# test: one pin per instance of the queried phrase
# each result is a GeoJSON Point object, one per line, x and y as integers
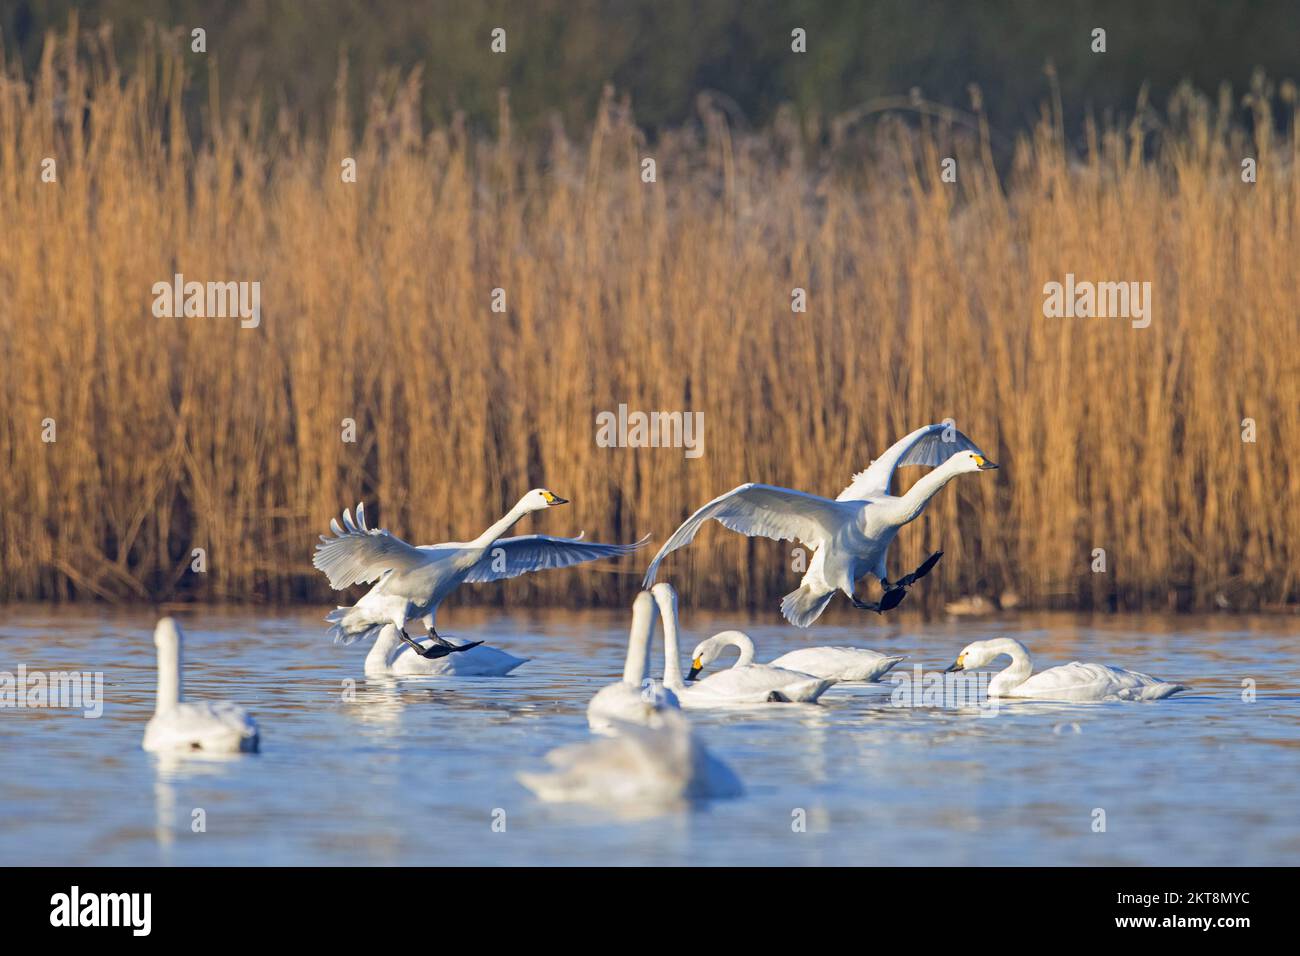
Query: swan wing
{"type": "Point", "coordinates": [1080, 681]}
{"type": "Point", "coordinates": [763, 510]}
{"type": "Point", "coordinates": [838, 663]}
{"type": "Point", "coordinates": [511, 557]}
{"type": "Point", "coordinates": [359, 555]}
{"type": "Point", "coordinates": [925, 446]}
{"type": "Point", "coordinates": [753, 684]}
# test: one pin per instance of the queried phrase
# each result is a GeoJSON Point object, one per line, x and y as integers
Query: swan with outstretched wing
{"type": "Point", "coordinates": [410, 581]}
{"type": "Point", "coordinates": [850, 535]}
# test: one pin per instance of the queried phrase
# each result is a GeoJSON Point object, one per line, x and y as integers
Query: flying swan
{"type": "Point", "coordinates": [210, 726]}
{"type": "Point", "coordinates": [390, 656]}
{"type": "Point", "coordinates": [1069, 682]}
{"type": "Point", "coordinates": [849, 536]}
{"type": "Point", "coordinates": [745, 683]}
{"type": "Point", "coordinates": [413, 581]}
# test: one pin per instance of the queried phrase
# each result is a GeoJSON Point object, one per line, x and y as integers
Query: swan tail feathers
{"type": "Point", "coordinates": [804, 606]}
{"type": "Point", "coordinates": [345, 633]}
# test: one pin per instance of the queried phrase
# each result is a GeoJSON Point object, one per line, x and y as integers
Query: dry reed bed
{"type": "Point", "coordinates": [925, 301]}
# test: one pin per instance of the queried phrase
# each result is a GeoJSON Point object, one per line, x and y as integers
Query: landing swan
{"type": "Point", "coordinates": [1069, 682]}
{"type": "Point", "coordinates": [745, 683]}
{"type": "Point", "coordinates": [634, 699]}
{"type": "Point", "coordinates": [849, 536]}
{"type": "Point", "coordinates": [391, 656]}
{"type": "Point", "coordinates": [210, 726]}
{"type": "Point", "coordinates": [653, 767]}
{"type": "Point", "coordinates": [413, 581]}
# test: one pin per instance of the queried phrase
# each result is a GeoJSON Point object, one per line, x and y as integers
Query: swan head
{"type": "Point", "coordinates": [975, 655]}
{"type": "Point", "coordinates": [710, 649]}
{"type": "Point", "coordinates": [167, 634]}
{"type": "Point", "coordinates": [965, 461]}
{"type": "Point", "coordinates": [539, 499]}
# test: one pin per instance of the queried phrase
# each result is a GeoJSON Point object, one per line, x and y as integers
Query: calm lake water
{"type": "Point", "coordinates": [412, 772]}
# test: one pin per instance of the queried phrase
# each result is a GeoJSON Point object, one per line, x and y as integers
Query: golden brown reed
{"type": "Point", "coordinates": [925, 302]}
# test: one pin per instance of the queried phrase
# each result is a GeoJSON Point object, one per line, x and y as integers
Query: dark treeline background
{"type": "Point", "coordinates": [664, 53]}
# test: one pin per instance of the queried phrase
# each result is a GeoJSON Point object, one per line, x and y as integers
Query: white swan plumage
{"type": "Point", "coordinates": [839, 664]}
{"type": "Point", "coordinates": [1069, 682]}
{"type": "Point", "coordinates": [181, 726]}
{"type": "Point", "coordinates": [849, 536]}
{"type": "Point", "coordinates": [635, 699]}
{"type": "Point", "coordinates": [744, 683]}
{"type": "Point", "coordinates": [413, 581]}
{"type": "Point", "coordinates": [651, 757]}
{"type": "Point", "coordinates": [391, 656]}
{"type": "Point", "coordinates": [656, 766]}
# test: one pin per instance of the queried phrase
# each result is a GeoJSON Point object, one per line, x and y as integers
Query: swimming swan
{"type": "Point", "coordinates": [849, 536]}
{"type": "Point", "coordinates": [413, 581]}
{"type": "Point", "coordinates": [392, 657]}
{"type": "Point", "coordinates": [210, 726]}
{"type": "Point", "coordinates": [635, 699]}
{"type": "Point", "coordinates": [658, 766]}
{"type": "Point", "coordinates": [1070, 682]}
{"type": "Point", "coordinates": [839, 663]}
{"type": "Point", "coordinates": [744, 683]}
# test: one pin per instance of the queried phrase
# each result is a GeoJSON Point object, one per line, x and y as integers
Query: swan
{"type": "Point", "coordinates": [839, 663]}
{"type": "Point", "coordinates": [413, 581]}
{"type": "Point", "coordinates": [849, 536]}
{"type": "Point", "coordinates": [392, 657]}
{"type": "Point", "coordinates": [1069, 682]}
{"type": "Point", "coordinates": [744, 683]}
{"type": "Point", "coordinates": [661, 765]}
{"type": "Point", "coordinates": [634, 699]}
{"type": "Point", "coordinates": [651, 757]}
{"type": "Point", "coordinates": [210, 726]}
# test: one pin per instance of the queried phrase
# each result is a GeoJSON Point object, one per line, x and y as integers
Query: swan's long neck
{"type": "Point", "coordinates": [1019, 670]}
{"type": "Point", "coordinates": [506, 522]}
{"type": "Point", "coordinates": [918, 496]}
{"type": "Point", "coordinates": [386, 647]}
{"type": "Point", "coordinates": [741, 642]}
{"type": "Point", "coordinates": [673, 679]}
{"type": "Point", "coordinates": [169, 672]}
{"type": "Point", "coordinates": [636, 668]}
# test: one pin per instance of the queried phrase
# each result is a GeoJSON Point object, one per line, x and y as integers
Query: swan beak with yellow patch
{"type": "Point", "coordinates": [554, 499]}
{"type": "Point", "coordinates": [984, 463]}
{"type": "Point", "coordinates": [697, 665]}
{"type": "Point", "coordinates": [959, 664]}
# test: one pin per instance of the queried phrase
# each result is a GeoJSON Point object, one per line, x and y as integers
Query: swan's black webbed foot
{"type": "Point", "coordinates": [891, 599]}
{"type": "Point", "coordinates": [926, 566]}
{"type": "Point", "coordinates": [453, 648]}
{"type": "Point", "coordinates": [406, 638]}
